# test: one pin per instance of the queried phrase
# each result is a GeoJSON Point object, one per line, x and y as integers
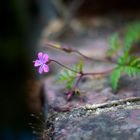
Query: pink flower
{"type": "Point", "coordinates": [42, 59]}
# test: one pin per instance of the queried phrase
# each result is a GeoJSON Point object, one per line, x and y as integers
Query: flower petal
{"type": "Point", "coordinates": [45, 58]}
{"type": "Point", "coordinates": [40, 69]}
{"type": "Point", "coordinates": [37, 63]}
{"type": "Point", "coordinates": [40, 56]}
{"type": "Point", "coordinates": [45, 68]}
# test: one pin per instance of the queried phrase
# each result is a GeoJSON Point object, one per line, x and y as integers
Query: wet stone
{"type": "Point", "coordinates": [116, 122]}
{"type": "Point", "coordinates": [117, 125]}
{"type": "Point", "coordinates": [93, 91]}
{"type": "Point", "coordinates": [73, 122]}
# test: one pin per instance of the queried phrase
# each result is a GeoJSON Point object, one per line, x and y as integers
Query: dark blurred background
{"type": "Point", "coordinates": [21, 24]}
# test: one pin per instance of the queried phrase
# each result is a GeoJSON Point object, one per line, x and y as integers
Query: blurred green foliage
{"type": "Point", "coordinates": [126, 62]}
{"type": "Point", "coordinates": [70, 76]}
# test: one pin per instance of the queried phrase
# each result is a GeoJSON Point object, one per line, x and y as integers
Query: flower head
{"type": "Point", "coordinates": [42, 59]}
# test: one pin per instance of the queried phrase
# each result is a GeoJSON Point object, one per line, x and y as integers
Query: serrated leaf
{"type": "Point", "coordinates": [122, 60]}
{"type": "Point", "coordinates": [132, 35]}
{"type": "Point", "coordinates": [131, 71]}
{"type": "Point", "coordinates": [70, 83]}
{"type": "Point", "coordinates": [134, 61]}
{"type": "Point", "coordinates": [80, 66]}
{"type": "Point", "coordinates": [65, 75]}
{"type": "Point", "coordinates": [114, 41]}
{"type": "Point", "coordinates": [133, 66]}
{"type": "Point", "coordinates": [74, 67]}
{"type": "Point", "coordinates": [62, 77]}
{"type": "Point", "coordinates": [115, 76]}
{"type": "Point", "coordinates": [114, 45]}
{"type": "Point", "coordinates": [70, 76]}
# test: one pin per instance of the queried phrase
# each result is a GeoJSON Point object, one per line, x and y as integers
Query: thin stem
{"type": "Point", "coordinates": [50, 44]}
{"type": "Point", "coordinates": [82, 73]}
{"type": "Point", "coordinates": [95, 73]}
{"type": "Point", "coordinates": [78, 80]}
{"type": "Point", "coordinates": [63, 66]}
{"type": "Point", "coordinates": [84, 56]}
{"type": "Point", "coordinates": [99, 73]}
{"type": "Point", "coordinates": [68, 50]}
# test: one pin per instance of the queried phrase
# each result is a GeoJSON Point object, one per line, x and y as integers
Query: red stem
{"type": "Point", "coordinates": [51, 60]}
{"type": "Point", "coordinates": [68, 50]}
{"type": "Point", "coordinates": [82, 73]}
{"type": "Point", "coordinates": [99, 73]}
{"type": "Point", "coordinates": [78, 80]}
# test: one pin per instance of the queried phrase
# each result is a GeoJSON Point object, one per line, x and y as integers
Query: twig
{"type": "Point", "coordinates": [99, 73]}
{"type": "Point", "coordinates": [51, 60]}
{"type": "Point", "coordinates": [78, 80]}
{"type": "Point", "coordinates": [98, 106]}
{"type": "Point", "coordinates": [111, 103]}
{"type": "Point", "coordinates": [68, 49]}
{"type": "Point", "coordinates": [82, 73]}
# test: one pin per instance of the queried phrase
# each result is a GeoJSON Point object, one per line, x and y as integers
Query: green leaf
{"type": "Point", "coordinates": [134, 61]}
{"type": "Point", "coordinates": [80, 65]}
{"type": "Point", "coordinates": [114, 77]}
{"type": "Point", "coordinates": [114, 41]}
{"type": "Point", "coordinates": [131, 71]}
{"type": "Point", "coordinates": [70, 83]}
{"type": "Point", "coordinates": [126, 64]}
{"type": "Point", "coordinates": [122, 60]}
{"type": "Point", "coordinates": [65, 75]}
{"type": "Point", "coordinates": [68, 76]}
{"type": "Point", "coordinates": [114, 45]}
{"type": "Point", "coordinates": [132, 33]}
{"type": "Point", "coordinates": [133, 66]}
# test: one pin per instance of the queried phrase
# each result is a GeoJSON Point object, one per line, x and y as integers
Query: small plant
{"type": "Point", "coordinates": [120, 49]}
{"type": "Point", "coordinates": [126, 63]}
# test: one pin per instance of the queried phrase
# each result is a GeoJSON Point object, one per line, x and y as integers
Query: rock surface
{"type": "Point", "coordinates": [81, 118]}
{"type": "Point", "coordinates": [75, 120]}
{"type": "Point", "coordinates": [121, 124]}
